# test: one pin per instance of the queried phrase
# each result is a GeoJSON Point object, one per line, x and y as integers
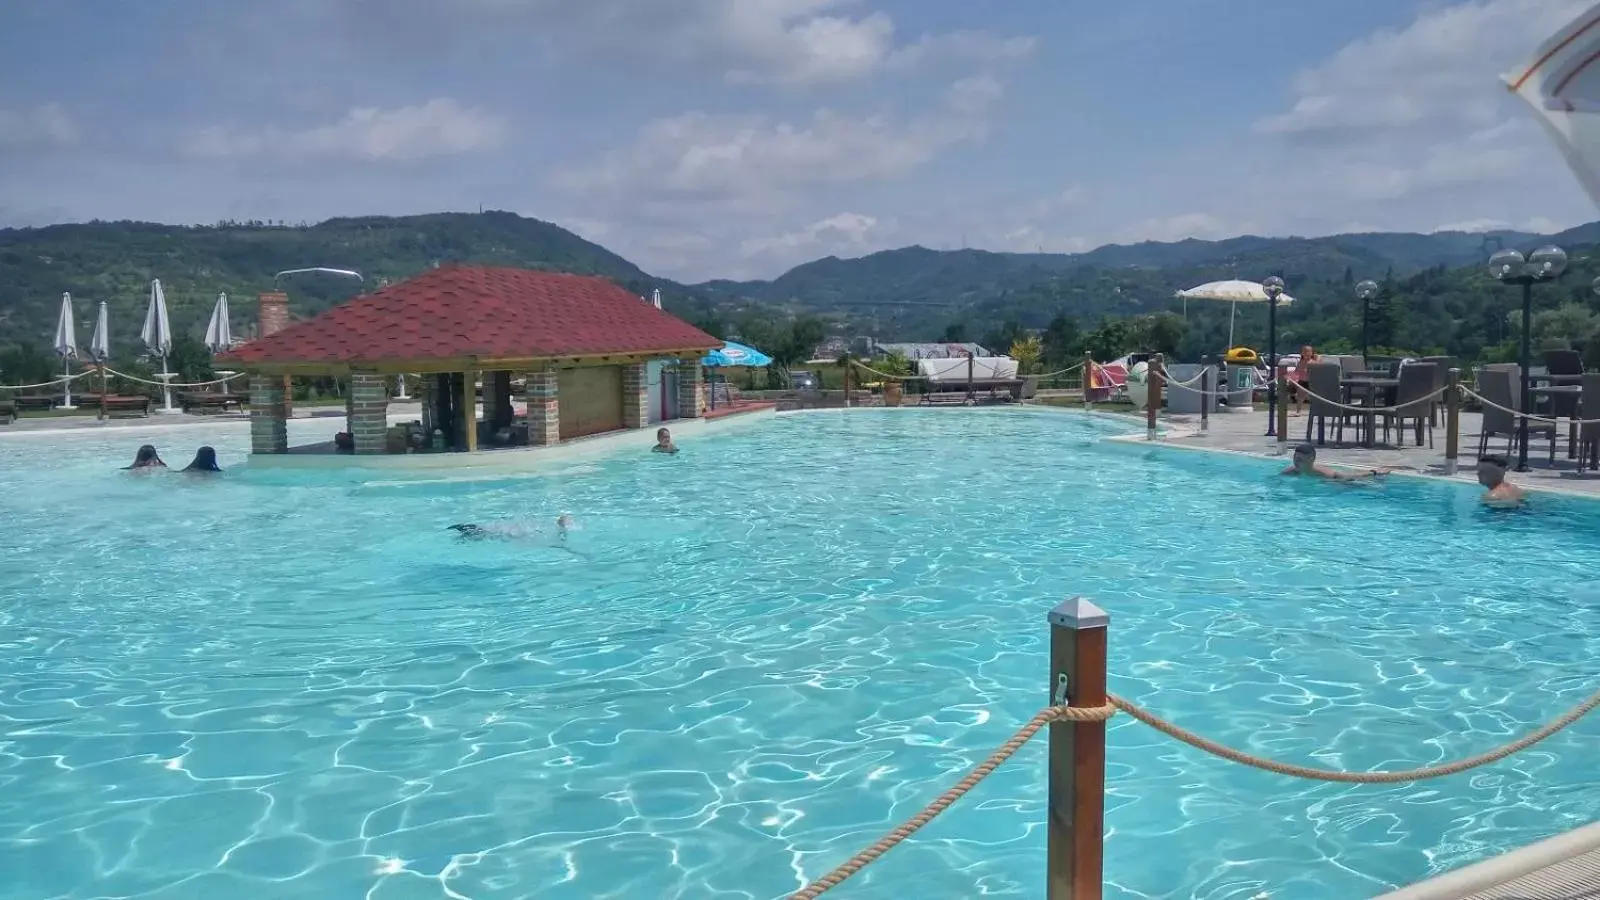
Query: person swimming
{"type": "Point", "coordinates": [511, 531]}
{"type": "Point", "coordinates": [1305, 465]}
{"type": "Point", "coordinates": [664, 442]}
{"type": "Point", "coordinates": [1492, 475]}
{"type": "Point", "coordinates": [205, 461]}
{"type": "Point", "coordinates": [146, 458]}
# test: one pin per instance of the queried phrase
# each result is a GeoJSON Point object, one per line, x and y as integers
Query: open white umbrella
{"type": "Point", "coordinates": [66, 347]}
{"type": "Point", "coordinates": [157, 335]}
{"type": "Point", "coordinates": [1233, 292]}
{"type": "Point", "coordinates": [1563, 88]}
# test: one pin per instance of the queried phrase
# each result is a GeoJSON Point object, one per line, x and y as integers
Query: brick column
{"type": "Point", "coordinates": [636, 395]}
{"type": "Point", "coordinates": [369, 413]}
{"type": "Point", "coordinates": [269, 416]}
{"type": "Point", "coordinates": [544, 409]}
{"type": "Point", "coordinates": [273, 317]}
{"type": "Point", "coordinates": [691, 390]}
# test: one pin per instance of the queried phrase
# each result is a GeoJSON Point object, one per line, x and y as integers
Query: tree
{"type": "Point", "coordinates": [954, 333]}
{"type": "Point", "coordinates": [1063, 342]}
{"type": "Point", "coordinates": [1109, 340]}
{"type": "Point", "coordinates": [1027, 351]}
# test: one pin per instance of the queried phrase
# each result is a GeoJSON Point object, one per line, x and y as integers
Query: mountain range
{"type": "Point", "coordinates": [908, 293]}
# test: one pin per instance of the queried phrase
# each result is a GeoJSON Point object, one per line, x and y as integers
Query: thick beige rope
{"type": "Point", "coordinates": [979, 772]}
{"type": "Point", "coordinates": [1101, 713]}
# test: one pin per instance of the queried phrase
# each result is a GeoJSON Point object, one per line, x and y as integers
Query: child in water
{"type": "Point", "coordinates": [664, 442]}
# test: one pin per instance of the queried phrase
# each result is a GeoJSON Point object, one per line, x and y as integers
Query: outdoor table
{"type": "Point", "coordinates": [1563, 390]}
{"type": "Point", "coordinates": [1371, 383]}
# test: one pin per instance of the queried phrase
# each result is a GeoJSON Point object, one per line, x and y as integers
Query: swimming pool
{"type": "Point", "coordinates": [756, 657]}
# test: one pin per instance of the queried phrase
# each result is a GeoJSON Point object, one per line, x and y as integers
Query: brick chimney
{"type": "Point", "coordinates": [274, 313]}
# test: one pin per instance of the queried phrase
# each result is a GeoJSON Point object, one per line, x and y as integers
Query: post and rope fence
{"type": "Point", "coordinates": [1205, 394]}
{"type": "Point", "coordinates": [1280, 375]}
{"type": "Point", "coordinates": [1452, 420]}
{"type": "Point", "coordinates": [1080, 705]}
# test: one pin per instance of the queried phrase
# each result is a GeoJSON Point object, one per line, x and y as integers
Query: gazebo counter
{"type": "Point", "coordinates": [567, 397]}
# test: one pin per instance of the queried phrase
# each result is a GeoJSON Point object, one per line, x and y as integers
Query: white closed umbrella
{"type": "Point", "coordinates": [66, 347]}
{"type": "Point", "coordinates": [157, 335]}
{"type": "Point", "coordinates": [1233, 292]}
{"type": "Point", "coordinates": [100, 350]}
{"type": "Point", "coordinates": [100, 341]}
{"type": "Point", "coordinates": [219, 334]}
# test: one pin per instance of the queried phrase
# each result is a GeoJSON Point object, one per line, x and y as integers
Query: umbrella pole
{"type": "Point", "coordinates": [166, 386]}
{"type": "Point", "coordinates": [66, 384]}
{"type": "Point", "coordinates": [1233, 311]}
{"type": "Point", "coordinates": [102, 391]}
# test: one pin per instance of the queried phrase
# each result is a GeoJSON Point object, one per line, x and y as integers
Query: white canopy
{"type": "Point", "coordinates": [1232, 292]}
{"type": "Point", "coordinates": [1562, 84]}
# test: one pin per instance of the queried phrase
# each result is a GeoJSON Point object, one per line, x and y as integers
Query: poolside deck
{"type": "Point", "coordinates": [1565, 867]}
{"type": "Point", "coordinates": [1246, 433]}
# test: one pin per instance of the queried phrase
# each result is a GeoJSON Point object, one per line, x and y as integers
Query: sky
{"type": "Point", "coordinates": [737, 138]}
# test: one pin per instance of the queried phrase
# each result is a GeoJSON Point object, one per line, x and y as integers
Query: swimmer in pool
{"type": "Point", "coordinates": [564, 524]}
{"type": "Point", "coordinates": [1492, 475]}
{"type": "Point", "coordinates": [664, 442]}
{"type": "Point", "coordinates": [1305, 465]}
{"type": "Point", "coordinates": [510, 531]}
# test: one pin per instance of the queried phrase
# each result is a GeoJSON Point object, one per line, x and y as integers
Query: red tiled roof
{"type": "Point", "coordinates": [482, 312]}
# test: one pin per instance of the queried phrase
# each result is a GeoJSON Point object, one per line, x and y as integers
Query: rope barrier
{"type": "Point", "coordinates": [1050, 714]}
{"type": "Point", "coordinates": [1531, 417]}
{"type": "Point", "coordinates": [928, 813]}
{"type": "Point", "coordinates": [136, 378]}
{"type": "Point", "coordinates": [43, 384]}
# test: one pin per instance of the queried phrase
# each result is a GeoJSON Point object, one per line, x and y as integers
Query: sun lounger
{"type": "Point", "coordinates": [36, 403]}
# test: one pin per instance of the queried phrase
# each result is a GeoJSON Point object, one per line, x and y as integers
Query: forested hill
{"type": "Point", "coordinates": [115, 261]}
{"type": "Point", "coordinates": [1435, 292]}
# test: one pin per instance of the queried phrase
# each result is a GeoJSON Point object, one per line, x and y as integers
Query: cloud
{"type": "Point", "coordinates": [1536, 225]}
{"type": "Point", "coordinates": [847, 229]}
{"type": "Point", "coordinates": [1411, 126]}
{"type": "Point", "coordinates": [699, 164]}
{"type": "Point", "coordinates": [440, 127]}
{"type": "Point", "coordinates": [1437, 71]}
{"type": "Point", "coordinates": [788, 42]}
{"type": "Point", "coordinates": [43, 126]}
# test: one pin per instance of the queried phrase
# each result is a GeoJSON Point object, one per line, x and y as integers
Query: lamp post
{"type": "Point", "coordinates": [1366, 290]}
{"type": "Point", "coordinates": [1511, 267]}
{"type": "Point", "coordinates": [1273, 286]}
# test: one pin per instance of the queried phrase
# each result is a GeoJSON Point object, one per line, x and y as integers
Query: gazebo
{"type": "Point", "coordinates": [583, 346]}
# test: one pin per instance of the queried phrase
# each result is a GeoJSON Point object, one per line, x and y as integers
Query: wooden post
{"type": "Point", "coordinates": [847, 368]}
{"type": "Point", "coordinates": [969, 377]}
{"type": "Point", "coordinates": [469, 409]}
{"type": "Point", "coordinates": [1088, 380]}
{"type": "Point", "coordinates": [1077, 754]}
{"type": "Point", "coordinates": [1205, 394]}
{"type": "Point", "coordinates": [1282, 381]}
{"type": "Point", "coordinates": [1152, 402]}
{"type": "Point", "coordinates": [1452, 421]}
{"type": "Point", "coordinates": [102, 390]}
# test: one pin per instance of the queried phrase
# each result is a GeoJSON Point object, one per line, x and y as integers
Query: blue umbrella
{"type": "Point", "coordinates": [733, 354]}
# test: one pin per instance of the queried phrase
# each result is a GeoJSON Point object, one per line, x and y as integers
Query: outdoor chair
{"type": "Point", "coordinates": [1589, 434]}
{"type": "Point", "coordinates": [1499, 385]}
{"type": "Point", "coordinates": [1414, 401]}
{"type": "Point", "coordinates": [1564, 365]}
{"type": "Point", "coordinates": [1323, 382]}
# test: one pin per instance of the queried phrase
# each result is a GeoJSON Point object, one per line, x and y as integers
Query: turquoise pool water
{"type": "Point", "coordinates": [756, 657]}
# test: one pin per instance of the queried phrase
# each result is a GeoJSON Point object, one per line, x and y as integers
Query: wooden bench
{"type": "Point", "coordinates": [204, 402]}
{"type": "Point", "coordinates": [35, 403]}
{"type": "Point", "coordinates": [944, 398]}
{"type": "Point", "coordinates": [132, 405]}
{"type": "Point", "coordinates": [8, 412]}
